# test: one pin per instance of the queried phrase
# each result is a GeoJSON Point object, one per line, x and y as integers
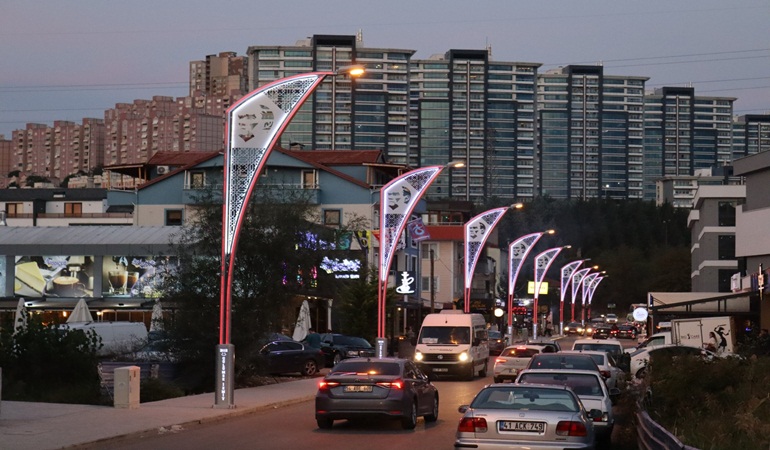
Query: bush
{"type": "Point", "coordinates": [712, 404]}
{"type": "Point", "coordinates": [154, 389]}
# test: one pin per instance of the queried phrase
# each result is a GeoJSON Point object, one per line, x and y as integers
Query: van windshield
{"type": "Point", "coordinates": [445, 335]}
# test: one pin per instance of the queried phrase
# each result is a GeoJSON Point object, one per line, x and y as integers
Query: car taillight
{"type": "Point", "coordinates": [605, 373]}
{"type": "Point", "coordinates": [324, 385]}
{"type": "Point", "coordinates": [501, 360]}
{"type": "Point", "coordinates": [472, 425]}
{"type": "Point", "coordinates": [568, 428]}
{"type": "Point", "coordinates": [395, 384]}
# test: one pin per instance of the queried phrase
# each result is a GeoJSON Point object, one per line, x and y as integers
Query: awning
{"type": "Point", "coordinates": [701, 303]}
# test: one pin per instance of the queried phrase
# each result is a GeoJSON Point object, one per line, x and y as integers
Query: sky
{"type": "Point", "coordinates": [66, 60]}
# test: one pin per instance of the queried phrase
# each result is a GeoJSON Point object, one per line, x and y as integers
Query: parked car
{"type": "Point", "coordinates": [512, 360]}
{"type": "Point", "coordinates": [289, 356]}
{"type": "Point", "coordinates": [574, 328]}
{"type": "Point", "coordinates": [526, 416]}
{"type": "Point", "coordinates": [393, 388]}
{"type": "Point", "coordinates": [640, 359]}
{"type": "Point", "coordinates": [589, 387]}
{"type": "Point", "coordinates": [612, 374]}
{"type": "Point", "coordinates": [627, 331]}
{"type": "Point", "coordinates": [495, 341]}
{"type": "Point", "coordinates": [337, 347]}
{"type": "Point", "coordinates": [562, 360]}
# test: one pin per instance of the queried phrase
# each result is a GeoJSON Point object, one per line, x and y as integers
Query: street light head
{"type": "Point", "coordinates": [517, 206]}
{"type": "Point", "coordinates": [566, 246]}
{"type": "Point", "coordinates": [549, 232]}
{"type": "Point", "coordinates": [596, 267]}
{"type": "Point", "coordinates": [455, 164]}
{"type": "Point", "coordinates": [353, 71]}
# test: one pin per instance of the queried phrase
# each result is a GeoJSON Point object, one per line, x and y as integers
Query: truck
{"type": "Point", "coordinates": [712, 333]}
{"type": "Point", "coordinates": [453, 343]}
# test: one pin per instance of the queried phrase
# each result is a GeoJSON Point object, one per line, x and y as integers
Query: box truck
{"type": "Point", "coordinates": [713, 333]}
{"type": "Point", "coordinates": [453, 343]}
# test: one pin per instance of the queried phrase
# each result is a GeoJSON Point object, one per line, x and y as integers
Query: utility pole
{"type": "Point", "coordinates": [432, 283]}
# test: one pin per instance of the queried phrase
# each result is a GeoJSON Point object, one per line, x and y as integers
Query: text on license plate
{"type": "Point", "coordinates": [441, 369]}
{"type": "Point", "coordinates": [531, 427]}
{"type": "Point", "coordinates": [358, 388]}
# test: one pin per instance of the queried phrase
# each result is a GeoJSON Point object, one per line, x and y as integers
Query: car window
{"type": "Point", "coordinates": [582, 384]}
{"type": "Point", "coordinates": [445, 335]}
{"type": "Point", "coordinates": [609, 348]}
{"type": "Point", "coordinates": [368, 367]}
{"type": "Point", "coordinates": [495, 335]}
{"type": "Point", "coordinates": [520, 352]}
{"type": "Point", "coordinates": [525, 398]}
{"type": "Point", "coordinates": [562, 361]}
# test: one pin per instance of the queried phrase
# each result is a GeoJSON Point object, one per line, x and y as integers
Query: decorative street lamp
{"type": "Point", "coordinates": [398, 199]}
{"type": "Point", "coordinates": [577, 280]}
{"type": "Point", "coordinates": [542, 262]}
{"type": "Point", "coordinates": [587, 280]}
{"type": "Point", "coordinates": [591, 290]}
{"type": "Point", "coordinates": [477, 230]}
{"type": "Point", "coordinates": [518, 251]}
{"type": "Point", "coordinates": [253, 127]}
{"type": "Point", "coordinates": [566, 276]}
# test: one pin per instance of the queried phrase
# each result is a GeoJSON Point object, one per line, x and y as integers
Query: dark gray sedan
{"type": "Point", "coordinates": [391, 388]}
{"type": "Point", "coordinates": [285, 356]}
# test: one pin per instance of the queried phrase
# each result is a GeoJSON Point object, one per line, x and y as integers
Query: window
{"type": "Point", "coordinates": [426, 284]}
{"type": "Point", "coordinates": [427, 247]}
{"type": "Point", "coordinates": [308, 179]}
{"type": "Point", "coordinates": [332, 217]}
{"type": "Point", "coordinates": [14, 209]}
{"type": "Point", "coordinates": [73, 209]}
{"type": "Point", "coordinates": [726, 214]}
{"type": "Point", "coordinates": [174, 217]}
{"type": "Point", "coordinates": [197, 180]}
{"type": "Point", "coordinates": [727, 247]}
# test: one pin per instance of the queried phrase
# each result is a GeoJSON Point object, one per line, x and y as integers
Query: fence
{"type": "Point", "coordinates": [652, 436]}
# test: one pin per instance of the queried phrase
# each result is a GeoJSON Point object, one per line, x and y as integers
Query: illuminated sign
{"type": "Point", "coordinates": [543, 288]}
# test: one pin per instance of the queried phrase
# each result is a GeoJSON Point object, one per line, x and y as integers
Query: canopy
{"type": "Point", "coordinates": [303, 322]}
{"type": "Point", "coordinates": [81, 313]}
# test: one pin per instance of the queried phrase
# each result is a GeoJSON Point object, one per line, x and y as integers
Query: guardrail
{"type": "Point", "coordinates": [652, 436]}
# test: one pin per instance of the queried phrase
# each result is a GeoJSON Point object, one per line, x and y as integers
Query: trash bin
{"type": "Point", "coordinates": [127, 387]}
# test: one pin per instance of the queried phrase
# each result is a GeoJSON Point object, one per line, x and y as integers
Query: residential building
{"type": "Point", "coordinates": [6, 148]}
{"type": "Point", "coordinates": [680, 191]}
{"type": "Point", "coordinates": [219, 75]}
{"type": "Point", "coordinates": [591, 134]}
{"type": "Point", "coordinates": [751, 135]}
{"type": "Point", "coordinates": [712, 223]}
{"type": "Point", "coordinates": [684, 132]}
{"type": "Point", "coordinates": [56, 207]}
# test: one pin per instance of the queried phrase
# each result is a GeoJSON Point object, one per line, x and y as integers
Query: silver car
{"type": "Point", "coordinates": [608, 367]}
{"type": "Point", "coordinates": [589, 387]}
{"type": "Point", "coordinates": [526, 416]}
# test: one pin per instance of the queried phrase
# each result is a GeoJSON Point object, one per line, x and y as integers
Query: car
{"type": "Point", "coordinates": [608, 367]}
{"type": "Point", "coordinates": [574, 328]}
{"type": "Point", "coordinates": [526, 416]}
{"type": "Point", "coordinates": [602, 332]}
{"type": "Point", "coordinates": [337, 347]}
{"type": "Point", "coordinates": [549, 345]}
{"type": "Point", "coordinates": [513, 359]}
{"type": "Point", "coordinates": [495, 341]}
{"type": "Point", "coordinates": [611, 346]}
{"type": "Point", "coordinates": [289, 356]}
{"type": "Point", "coordinates": [561, 360]}
{"type": "Point", "coordinates": [589, 387]}
{"type": "Point", "coordinates": [641, 358]}
{"type": "Point", "coordinates": [627, 331]}
{"type": "Point", "coordinates": [610, 318]}
{"type": "Point", "coordinates": [392, 388]}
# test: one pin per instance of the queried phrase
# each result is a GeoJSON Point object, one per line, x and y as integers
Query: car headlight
{"type": "Point", "coordinates": [566, 328]}
{"type": "Point", "coordinates": [417, 356]}
{"type": "Point", "coordinates": [352, 353]}
{"type": "Point", "coordinates": [463, 356]}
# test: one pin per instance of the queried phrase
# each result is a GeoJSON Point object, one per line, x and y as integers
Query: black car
{"type": "Point", "coordinates": [393, 388]}
{"type": "Point", "coordinates": [289, 356]}
{"type": "Point", "coordinates": [496, 342]}
{"type": "Point", "coordinates": [574, 328]}
{"type": "Point", "coordinates": [337, 347]}
{"type": "Point", "coordinates": [602, 332]}
{"type": "Point", "coordinates": [627, 331]}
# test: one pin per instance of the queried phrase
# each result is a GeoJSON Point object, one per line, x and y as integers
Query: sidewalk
{"type": "Point", "coordinates": [43, 426]}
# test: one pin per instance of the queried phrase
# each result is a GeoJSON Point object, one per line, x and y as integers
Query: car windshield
{"type": "Point", "coordinates": [562, 361]}
{"type": "Point", "coordinates": [609, 348]}
{"type": "Point", "coordinates": [581, 383]}
{"type": "Point", "coordinates": [367, 367]}
{"type": "Point", "coordinates": [525, 398]}
{"type": "Point", "coordinates": [519, 352]}
{"type": "Point", "coordinates": [495, 335]}
{"type": "Point", "coordinates": [445, 335]}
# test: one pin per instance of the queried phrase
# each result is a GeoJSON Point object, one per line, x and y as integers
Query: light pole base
{"type": "Point", "coordinates": [225, 376]}
{"type": "Point", "coordinates": [382, 347]}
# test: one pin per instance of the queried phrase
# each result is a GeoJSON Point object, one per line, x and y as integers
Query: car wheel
{"type": "Point", "coordinates": [409, 421]}
{"type": "Point", "coordinates": [324, 423]}
{"type": "Point", "coordinates": [337, 358]}
{"type": "Point", "coordinates": [483, 372]}
{"type": "Point", "coordinates": [310, 368]}
{"type": "Point", "coordinates": [433, 416]}
{"type": "Point", "coordinates": [641, 373]}
{"type": "Point", "coordinates": [471, 372]}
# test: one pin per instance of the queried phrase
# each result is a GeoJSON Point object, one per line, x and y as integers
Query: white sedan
{"type": "Point", "coordinates": [641, 358]}
{"type": "Point", "coordinates": [512, 360]}
{"type": "Point", "coordinates": [608, 367]}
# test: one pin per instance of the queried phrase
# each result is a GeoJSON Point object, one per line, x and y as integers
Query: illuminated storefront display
{"type": "Point", "coordinates": [136, 276]}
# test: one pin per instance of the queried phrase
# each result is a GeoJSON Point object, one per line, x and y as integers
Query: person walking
{"type": "Point", "coordinates": [313, 339]}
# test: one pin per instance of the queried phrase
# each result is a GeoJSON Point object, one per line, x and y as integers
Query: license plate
{"type": "Point", "coordinates": [358, 388]}
{"type": "Point", "coordinates": [529, 427]}
{"type": "Point", "coordinates": [441, 369]}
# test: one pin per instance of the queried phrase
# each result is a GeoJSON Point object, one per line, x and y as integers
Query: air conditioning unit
{"type": "Point", "coordinates": [162, 170]}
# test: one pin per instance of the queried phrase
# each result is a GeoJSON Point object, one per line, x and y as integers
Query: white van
{"type": "Point", "coordinates": [453, 343]}
{"type": "Point", "coordinates": [117, 337]}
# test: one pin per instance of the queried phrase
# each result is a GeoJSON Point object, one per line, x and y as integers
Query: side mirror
{"type": "Point", "coordinates": [463, 408]}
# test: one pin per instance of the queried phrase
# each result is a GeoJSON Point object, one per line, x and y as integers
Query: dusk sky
{"type": "Point", "coordinates": [65, 60]}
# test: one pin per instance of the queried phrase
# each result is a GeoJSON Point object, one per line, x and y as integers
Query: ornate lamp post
{"type": "Point", "coordinates": [577, 280]}
{"type": "Point", "coordinates": [591, 290]}
{"type": "Point", "coordinates": [518, 251]}
{"type": "Point", "coordinates": [254, 126]}
{"type": "Point", "coordinates": [587, 280]}
{"type": "Point", "coordinates": [542, 262]}
{"type": "Point", "coordinates": [477, 230]}
{"type": "Point", "coordinates": [398, 199]}
{"type": "Point", "coordinates": [566, 276]}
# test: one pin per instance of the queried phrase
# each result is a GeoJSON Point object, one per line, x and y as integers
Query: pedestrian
{"type": "Point", "coordinates": [313, 339]}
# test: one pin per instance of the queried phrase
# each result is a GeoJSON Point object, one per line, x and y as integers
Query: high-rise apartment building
{"type": "Point", "coordinates": [466, 107]}
{"type": "Point", "coordinates": [683, 133]}
{"type": "Point", "coordinates": [751, 135]}
{"type": "Point", "coordinates": [370, 113]}
{"type": "Point", "coordinates": [591, 133]}
{"type": "Point", "coordinates": [6, 148]}
{"type": "Point", "coordinates": [219, 75]}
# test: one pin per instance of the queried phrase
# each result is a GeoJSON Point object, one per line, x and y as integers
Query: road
{"type": "Point", "coordinates": [292, 427]}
